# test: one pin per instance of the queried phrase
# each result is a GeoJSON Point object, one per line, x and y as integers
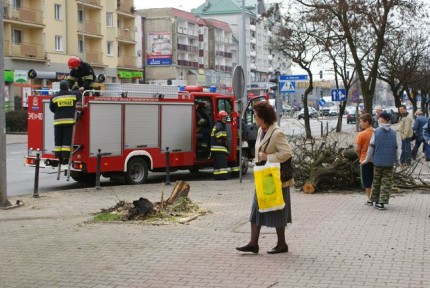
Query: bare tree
{"type": "Point", "coordinates": [294, 40]}
{"type": "Point", "coordinates": [364, 25]}
{"type": "Point", "coordinates": [403, 63]}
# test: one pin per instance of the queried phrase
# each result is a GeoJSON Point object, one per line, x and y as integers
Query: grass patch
{"type": "Point", "coordinates": [107, 216]}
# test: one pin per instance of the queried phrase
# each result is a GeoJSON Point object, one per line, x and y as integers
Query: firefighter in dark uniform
{"type": "Point", "coordinates": [219, 149]}
{"type": "Point", "coordinates": [63, 105]}
{"type": "Point", "coordinates": [82, 76]}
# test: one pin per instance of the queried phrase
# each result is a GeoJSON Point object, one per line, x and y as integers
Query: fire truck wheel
{"type": "Point", "coordinates": [137, 171]}
{"type": "Point", "coordinates": [87, 178]}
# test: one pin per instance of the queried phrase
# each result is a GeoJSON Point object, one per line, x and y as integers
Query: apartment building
{"type": "Point", "coordinates": [185, 49]}
{"type": "Point", "coordinates": [261, 61]}
{"type": "Point", "coordinates": [43, 34]}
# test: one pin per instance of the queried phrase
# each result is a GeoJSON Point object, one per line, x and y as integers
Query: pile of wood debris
{"type": "Point", "coordinates": [178, 208]}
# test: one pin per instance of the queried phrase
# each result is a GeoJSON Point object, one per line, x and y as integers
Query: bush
{"type": "Point", "coordinates": [16, 121]}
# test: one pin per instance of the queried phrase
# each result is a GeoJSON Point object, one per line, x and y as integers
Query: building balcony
{"type": "Point", "coordinates": [126, 35]}
{"type": "Point", "coordinates": [23, 16]}
{"type": "Point", "coordinates": [223, 68]}
{"type": "Point", "coordinates": [270, 57]}
{"type": "Point", "coordinates": [252, 27]}
{"type": "Point", "coordinates": [187, 48]}
{"type": "Point", "coordinates": [253, 40]}
{"type": "Point", "coordinates": [92, 29]}
{"type": "Point", "coordinates": [269, 33]}
{"type": "Point", "coordinates": [94, 58]}
{"type": "Point", "coordinates": [126, 8]}
{"type": "Point", "coordinates": [23, 50]}
{"type": "Point", "coordinates": [188, 32]}
{"type": "Point", "coordinates": [92, 4]}
{"type": "Point", "coordinates": [188, 63]}
{"type": "Point", "coordinates": [223, 54]}
{"type": "Point", "coordinates": [270, 69]}
{"type": "Point", "coordinates": [253, 66]}
{"type": "Point", "coordinates": [127, 62]}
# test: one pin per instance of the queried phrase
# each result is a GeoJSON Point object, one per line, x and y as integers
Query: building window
{"type": "Point", "coordinates": [81, 46]}
{"type": "Point", "coordinates": [57, 12]}
{"type": "Point", "coordinates": [109, 19]}
{"type": "Point", "coordinates": [16, 37]}
{"type": "Point", "coordinates": [16, 4]}
{"type": "Point", "coordinates": [109, 48]}
{"type": "Point", "coordinates": [58, 43]}
{"type": "Point", "coordinates": [80, 16]}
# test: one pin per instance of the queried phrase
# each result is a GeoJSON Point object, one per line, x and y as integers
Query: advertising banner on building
{"type": "Point", "coordinates": [159, 48]}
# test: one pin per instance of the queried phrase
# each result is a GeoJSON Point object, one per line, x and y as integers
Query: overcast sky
{"type": "Point", "coordinates": [185, 5]}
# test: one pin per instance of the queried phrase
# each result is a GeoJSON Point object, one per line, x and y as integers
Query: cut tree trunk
{"type": "Point", "coordinates": [181, 189]}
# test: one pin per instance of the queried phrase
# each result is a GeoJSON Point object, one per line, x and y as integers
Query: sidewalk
{"type": "Point", "coordinates": [16, 138]}
{"type": "Point", "coordinates": [335, 241]}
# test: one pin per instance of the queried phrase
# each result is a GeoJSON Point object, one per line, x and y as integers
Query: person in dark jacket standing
{"type": "Point", "coordinates": [63, 105]}
{"type": "Point", "coordinates": [383, 153]}
{"type": "Point", "coordinates": [82, 76]}
{"type": "Point", "coordinates": [219, 150]}
{"type": "Point", "coordinates": [419, 124]}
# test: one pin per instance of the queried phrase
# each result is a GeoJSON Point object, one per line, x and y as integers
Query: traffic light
{"type": "Point", "coordinates": [321, 94]}
{"type": "Point", "coordinates": [321, 74]}
{"type": "Point", "coordinates": [274, 79]}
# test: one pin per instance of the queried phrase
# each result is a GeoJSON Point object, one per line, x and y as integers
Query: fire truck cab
{"type": "Point", "coordinates": [136, 127]}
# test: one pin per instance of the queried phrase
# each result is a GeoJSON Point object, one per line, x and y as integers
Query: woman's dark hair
{"type": "Point", "coordinates": [265, 112]}
{"type": "Point", "coordinates": [366, 117]}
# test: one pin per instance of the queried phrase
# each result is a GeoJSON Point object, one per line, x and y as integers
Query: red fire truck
{"type": "Point", "coordinates": [133, 126]}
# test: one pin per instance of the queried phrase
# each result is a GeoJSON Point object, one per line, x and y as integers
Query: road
{"type": "Point", "coordinates": [20, 178]}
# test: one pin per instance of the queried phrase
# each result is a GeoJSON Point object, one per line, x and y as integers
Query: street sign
{"type": "Point", "coordinates": [321, 102]}
{"type": "Point", "coordinates": [238, 82]}
{"type": "Point", "coordinates": [338, 94]}
{"type": "Point", "coordinates": [293, 77]}
{"type": "Point", "coordinates": [287, 86]}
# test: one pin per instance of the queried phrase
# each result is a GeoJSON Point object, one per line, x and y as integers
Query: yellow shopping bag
{"type": "Point", "coordinates": [268, 187]}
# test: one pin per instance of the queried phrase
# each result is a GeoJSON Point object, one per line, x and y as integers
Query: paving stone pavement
{"type": "Point", "coordinates": [335, 241]}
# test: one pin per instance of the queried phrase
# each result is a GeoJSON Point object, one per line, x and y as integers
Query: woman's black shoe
{"type": "Point", "coordinates": [276, 250]}
{"type": "Point", "coordinates": [247, 248]}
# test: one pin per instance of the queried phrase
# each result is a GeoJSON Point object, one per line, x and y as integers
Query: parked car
{"type": "Point", "coordinates": [325, 111]}
{"type": "Point", "coordinates": [351, 117]}
{"type": "Point", "coordinates": [287, 109]}
{"type": "Point", "coordinates": [349, 109]}
{"type": "Point", "coordinates": [394, 115]}
{"type": "Point", "coordinates": [334, 110]}
{"type": "Point", "coordinates": [313, 113]}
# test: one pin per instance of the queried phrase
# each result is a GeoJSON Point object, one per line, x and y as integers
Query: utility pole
{"type": "Point", "coordinates": [244, 59]}
{"type": "Point", "coordinates": [83, 32]}
{"type": "Point", "coordinates": [3, 185]}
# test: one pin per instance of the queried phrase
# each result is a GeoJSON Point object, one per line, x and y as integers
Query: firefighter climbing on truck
{"type": "Point", "coordinates": [63, 105]}
{"type": "Point", "coordinates": [82, 76]}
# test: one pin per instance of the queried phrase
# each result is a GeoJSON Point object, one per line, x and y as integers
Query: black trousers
{"type": "Point", "coordinates": [63, 141]}
{"type": "Point", "coordinates": [220, 165]}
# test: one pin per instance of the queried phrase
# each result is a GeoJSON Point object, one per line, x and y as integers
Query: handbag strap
{"type": "Point", "coordinates": [268, 140]}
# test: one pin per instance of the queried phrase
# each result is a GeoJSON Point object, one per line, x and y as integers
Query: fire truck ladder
{"type": "Point", "coordinates": [72, 150]}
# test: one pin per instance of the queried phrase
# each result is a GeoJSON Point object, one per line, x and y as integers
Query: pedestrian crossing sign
{"type": "Point", "coordinates": [287, 86]}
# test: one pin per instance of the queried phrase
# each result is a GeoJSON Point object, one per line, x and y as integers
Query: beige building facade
{"type": "Point", "coordinates": [43, 34]}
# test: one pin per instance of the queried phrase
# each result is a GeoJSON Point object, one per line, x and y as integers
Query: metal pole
{"type": "Point", "coordinates": [3, 187]}
{"type": "Point", "coordinates": [83, 31]}
{"type": "Point", "coordinates": [167, 166]}
{"type": "Point", "coordinates": [99, 161]}
{"type": "Point", "coordinates": [244, 58]}
{"type": "Point", "coordinates": [36, 177]}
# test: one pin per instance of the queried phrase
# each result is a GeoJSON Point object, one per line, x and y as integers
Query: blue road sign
{"type": "Point", "coordinates": [287, 86]}
{"type": "Point", "coordinates": [321, 102]}
{"type": "Point", "coordinates": [293, 77]}
{"type": "Point", "coordinates": [338, 94]}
